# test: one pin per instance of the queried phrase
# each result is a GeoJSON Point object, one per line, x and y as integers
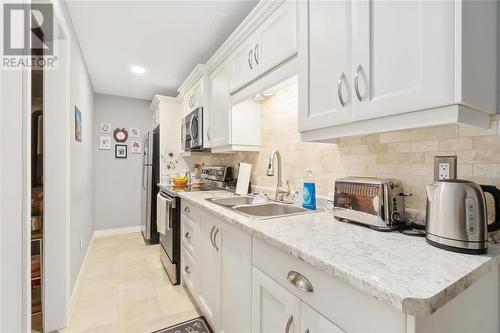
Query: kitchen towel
{"type": "Point", "coordinates": [245, 169]}
{"type": "Point", "coordinates": [161, 208]}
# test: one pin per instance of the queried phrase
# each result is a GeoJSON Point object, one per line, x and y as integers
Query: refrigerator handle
{"type": "Point", "coordinates": [143, 176]}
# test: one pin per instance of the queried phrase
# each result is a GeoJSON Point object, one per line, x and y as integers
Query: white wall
{"type": "Point", "coordinates": [118, 182]}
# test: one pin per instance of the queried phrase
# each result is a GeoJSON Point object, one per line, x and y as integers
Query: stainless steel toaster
{"type": "Point", "coordinates": [378, 203]}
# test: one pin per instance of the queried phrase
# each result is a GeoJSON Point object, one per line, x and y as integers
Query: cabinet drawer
{"type": "Point", "coordinates": [188, 235]}
{"type": "Point", "coordinates": [188, 272]}
{"type": "Point", "coordinates": [349, 308]}
{"type": "Point", "coordinates": [190, 211]}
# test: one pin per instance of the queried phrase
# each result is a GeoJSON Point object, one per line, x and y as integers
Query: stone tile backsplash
{"type": "Point", "coordinates": [406, 155]}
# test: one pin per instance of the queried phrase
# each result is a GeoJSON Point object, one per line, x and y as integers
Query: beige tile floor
{"type": "Point", "coordinates": [124, 288]}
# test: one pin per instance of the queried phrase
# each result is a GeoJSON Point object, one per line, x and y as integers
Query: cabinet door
{"type": "Point", "coordinates": [208, 263]}
{"type": "Point", "coordinates": [274, 309]}
{"type": "Point", "coordinates": [236, 279]}
{"type": "Point", "coordinates": [276, 39]}
{"type": "Point", "coordinates": [243, 65]}
{"type": "Point", "coordinates": [403, 56]}
{"type": "Point", "coordinates": [325, 63]}
{"type": "Point", "coordinates": [313, 322]}
{"type": "Point", "coordinates": [220, 105]}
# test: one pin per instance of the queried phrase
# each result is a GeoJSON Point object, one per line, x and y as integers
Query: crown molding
{"type": "Point", "coordinates": [254, 20]}
{"type": "Point", "coordinates": [163, 99]}
{"type": "Point", "coordinates": [193, 77]}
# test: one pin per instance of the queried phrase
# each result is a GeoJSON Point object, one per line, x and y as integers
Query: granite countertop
{"type": "Point", "coordinates": [400, 270]}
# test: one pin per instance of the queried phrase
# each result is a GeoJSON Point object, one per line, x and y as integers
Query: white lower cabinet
{"type": "Point", "coordinates": [209, 266]}
{"type": "Point", "coordinates": [312, 321]}
{"type": "Point", "coordinates": [274, 309]}
{"type": "Point", "coordinates": [223, 271]}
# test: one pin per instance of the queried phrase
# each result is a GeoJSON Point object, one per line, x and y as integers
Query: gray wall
{"type": "Point", "coordinates": [81, 162]}
{"type": "Point", "coordinates": [118, 182]}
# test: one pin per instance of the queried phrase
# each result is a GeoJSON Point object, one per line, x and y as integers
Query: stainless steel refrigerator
{"type": "Point", "coordinates": [150, 179]}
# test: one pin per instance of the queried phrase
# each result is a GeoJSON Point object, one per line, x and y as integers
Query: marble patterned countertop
{"type": "Point", "coordinates": [400, 270]}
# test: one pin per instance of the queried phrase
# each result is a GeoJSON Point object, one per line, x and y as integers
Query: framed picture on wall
{"type": "Point", "coordinates": [105, 128]}
{"type": "Point", "coordinates": [120, 151]}
{"type": "Point", "coordinates": [78, 124]}
{"type": "Point", "coordinates": [104, 142]}
{"type": "Point", "coordinates": [134, 132]}
{"type": "Point", "coordinates": [135, 146]}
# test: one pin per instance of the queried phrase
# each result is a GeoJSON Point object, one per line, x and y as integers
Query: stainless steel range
{"type": "Point", "coordinates": [169, 216]}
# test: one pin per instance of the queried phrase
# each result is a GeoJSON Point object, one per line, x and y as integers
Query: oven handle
{"type": "Point", "coordinates": [168, 210]}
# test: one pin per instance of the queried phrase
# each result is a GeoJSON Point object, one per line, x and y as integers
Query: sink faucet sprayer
{"type": "Point", "coordinates": [282, 191]}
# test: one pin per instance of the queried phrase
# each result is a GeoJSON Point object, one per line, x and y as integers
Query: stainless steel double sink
{"type": "Point", "coordinates": [260, 211]}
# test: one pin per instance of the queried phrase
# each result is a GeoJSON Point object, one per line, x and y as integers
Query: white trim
{"type": "Point", "coordinates": [193, 77]}
{"type": "Point", "coordinates": [164, 99]}
{"type": "Point", "coordinates": [116, 231]}
{"type": "Point", "coordinates": [76, 288]}
{"type": "Point", "coordinates": [450, 114]}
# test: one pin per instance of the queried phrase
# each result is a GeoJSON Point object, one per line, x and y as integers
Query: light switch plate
{"type": "Point", "coordinates": [445, 167]}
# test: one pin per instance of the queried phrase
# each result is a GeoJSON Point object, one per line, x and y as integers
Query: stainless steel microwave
{"type": "Point", "coordinates": [192, 130]}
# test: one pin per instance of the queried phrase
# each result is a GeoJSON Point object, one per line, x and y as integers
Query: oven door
{"type": "Point", "coordinates": [170, 238]}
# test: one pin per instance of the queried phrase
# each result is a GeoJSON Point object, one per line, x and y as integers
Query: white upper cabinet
{"type": "Point", "coordinates": [327, 70]}
{"type": "Point", "coordinates": [276, 39]}
{"type": "Point", "coordinates": [274, 42]}
{"type": "Point", "coordinates": [402, 58]}
{"type": "Point", "coordinates": [243, 64]}
{"type": "Point", "coordinates": [220, 106]}
{"type": "Point", "coordinates": [374, 66]}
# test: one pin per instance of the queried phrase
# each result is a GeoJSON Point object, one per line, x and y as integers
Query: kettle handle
{"type": "Point", "coordinates": [495, 192]}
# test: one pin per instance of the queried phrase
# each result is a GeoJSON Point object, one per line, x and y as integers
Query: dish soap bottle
{"type": "Point", "coordinates": [309, 191]}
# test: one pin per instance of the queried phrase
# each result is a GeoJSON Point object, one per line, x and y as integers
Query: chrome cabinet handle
{"type": "Point", "coordinates": [289, 324]}
{"type": "Point", "coordinates": [187, 235]}
{"type": "Point", "coordinates": [209, 136]}
{"type": "Point", "coordinates": [187, 210]}
{"type": "Point", "coordinates": [356, 82]}
{"type": "Point", "coordinates": [300, 281]}
{"type": "Point", "coordinates": [211, 236]}
{"type": "Point", "coordinates": [256, 53]}
{"type": "Point", "coordinates": [339, 89]}
{"type": "Point", "coordinates": [215, 239]}
{"type": "Point", "coordinates": [250, 60]}
{"type": "Point", "coordinates": [187, 270]}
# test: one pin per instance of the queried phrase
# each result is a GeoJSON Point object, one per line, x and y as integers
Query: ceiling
{"type": "Point", "coordinates": [167, 38]}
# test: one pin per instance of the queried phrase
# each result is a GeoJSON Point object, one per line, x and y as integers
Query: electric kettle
{"type": "Point", "coordinates": [456, 218]}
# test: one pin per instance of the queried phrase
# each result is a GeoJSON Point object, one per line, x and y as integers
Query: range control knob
{"type": "Point", "coordinates": [396, 217]}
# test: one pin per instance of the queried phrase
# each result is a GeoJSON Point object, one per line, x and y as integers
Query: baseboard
{"type": "Point", "coordinates": [76, 288]}
{"type": "Point", "coordinates": [116, 231]}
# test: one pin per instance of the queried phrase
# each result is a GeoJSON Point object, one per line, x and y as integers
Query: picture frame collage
{"type": "Point", "coordinates": [120, 136]}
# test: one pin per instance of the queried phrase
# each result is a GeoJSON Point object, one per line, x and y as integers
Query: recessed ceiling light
{"type": "Point", "coordinates": [137, 69]}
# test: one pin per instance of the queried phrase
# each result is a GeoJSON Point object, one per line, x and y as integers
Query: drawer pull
{"type": "Point", "coordinates": [289, 324]}
{"type": "Point", "coordinates": [187, 210]}
{"type": "Point", "coordinates": [187, 269]}
{"type": "Point", "coordinates": [300, 281]}
{"type": "Point", "coordinates": [187, 235]}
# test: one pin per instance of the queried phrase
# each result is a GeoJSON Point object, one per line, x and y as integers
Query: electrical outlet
{"type": "Point", "coordinates": [81, 244]}
{"type": "Point", "coordinates": [445, 167]}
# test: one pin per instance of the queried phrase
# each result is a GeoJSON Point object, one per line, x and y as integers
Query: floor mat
{"type": "Point", "coordinates": [196, 325]}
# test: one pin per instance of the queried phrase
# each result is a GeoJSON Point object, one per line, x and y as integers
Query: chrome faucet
{"type": "Point", "coordinates": [282, 191]}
